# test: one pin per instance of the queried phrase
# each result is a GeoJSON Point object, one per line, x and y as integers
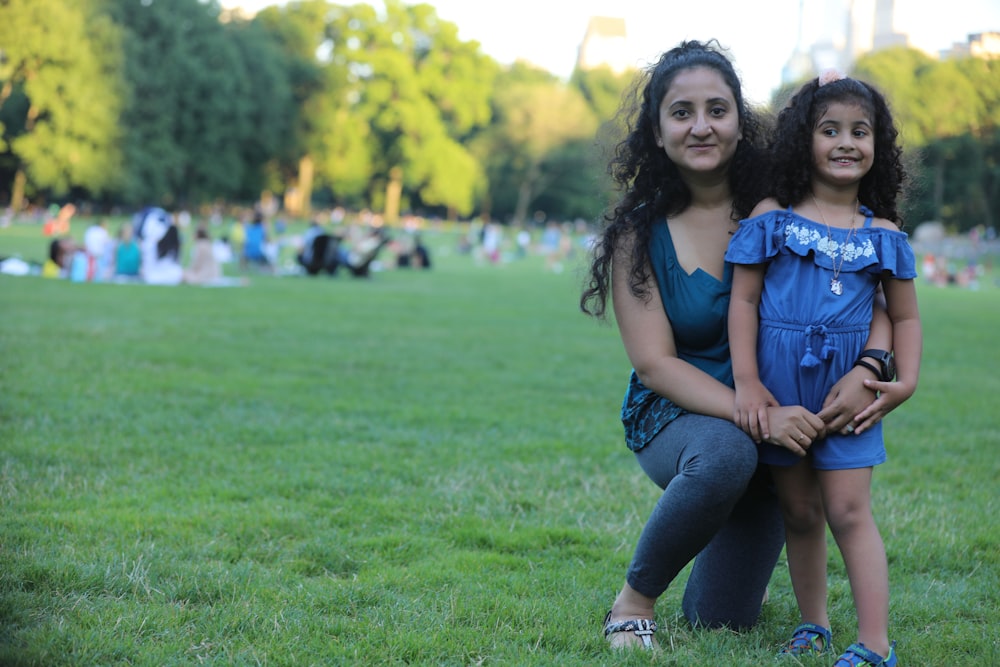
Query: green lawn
{"type": "Point", "coordinates": [421, 468]}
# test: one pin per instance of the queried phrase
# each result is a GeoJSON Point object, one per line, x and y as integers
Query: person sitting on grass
{"type": "Point", "coordinates": [61, 252]}
{"type": "Point", "coordinates": [128, 256]}
{"type": "Point", "coordinates": [255, 244]}
{"type": "Point", "coordinates": [328, 252]}
{"type": "Point", "coordinates": [203, 268]}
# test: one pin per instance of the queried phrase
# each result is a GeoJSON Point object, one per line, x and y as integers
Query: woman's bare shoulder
{"type": "Point", "coordinates": [765, 206]}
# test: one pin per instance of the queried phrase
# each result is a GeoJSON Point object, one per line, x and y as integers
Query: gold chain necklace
{"type": "Point", "coordinates": [836, 286]}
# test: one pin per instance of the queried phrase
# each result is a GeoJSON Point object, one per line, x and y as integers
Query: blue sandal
{"type": "Point", "coordinates": [808, 639]}
{"type": "Point", "coordinates": [643, 628]}
{"type": "Point", "coordinates": [857, 655]}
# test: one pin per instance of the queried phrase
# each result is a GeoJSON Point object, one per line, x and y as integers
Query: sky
{"type": "Point", "coordinates": [760, 36]}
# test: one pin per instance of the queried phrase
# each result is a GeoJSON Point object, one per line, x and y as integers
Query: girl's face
{"type": "Point", "coordinates": [843, 145]}
{"type": "Point", "coordinates": [699, 122]}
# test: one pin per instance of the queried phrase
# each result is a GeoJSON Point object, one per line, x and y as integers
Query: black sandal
{"type": "Point", "coordinates": [643, 628]}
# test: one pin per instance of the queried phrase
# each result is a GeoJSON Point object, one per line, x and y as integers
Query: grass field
{"type": "Point", "coordinates": [421, 468]}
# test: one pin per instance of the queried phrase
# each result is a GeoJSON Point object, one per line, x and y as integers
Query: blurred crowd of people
{"type": "Point", "coordinates": [150, 248]}
{"type": "Point", "coordinates": [146, 249]}
{"type": "Point", "coordinates": [356, 250]}
{"type": "Point", "coordinates": [964, 260]}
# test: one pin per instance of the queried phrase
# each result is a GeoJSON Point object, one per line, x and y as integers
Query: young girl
{"type": "Point", "coordinates": [808, 265]}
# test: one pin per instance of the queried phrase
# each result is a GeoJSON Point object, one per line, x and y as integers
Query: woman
{"type": "Point", "coordinates": [687, 172]}
{"type": "Point", "coordinates": [160, 243]}
{"type": "Point", "coordinates": [204, 268]}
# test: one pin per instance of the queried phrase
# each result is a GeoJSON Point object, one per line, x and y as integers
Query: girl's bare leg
{"type": "Point", "coordinates": [805, 538]}
{"type": "Point", "coordinates": [847, 498]}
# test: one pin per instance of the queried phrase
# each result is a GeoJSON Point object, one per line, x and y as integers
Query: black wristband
{"type": "Point", "coordinates": [871, 367]}
{"type": "Point", "coordinates": [885, 360]}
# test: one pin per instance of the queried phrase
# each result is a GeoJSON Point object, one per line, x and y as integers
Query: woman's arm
{"type": "Point", "coordinates": [648, 337]}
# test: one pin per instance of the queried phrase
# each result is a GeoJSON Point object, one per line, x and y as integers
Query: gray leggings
{"type": "Point", "coordinates": [716, 508]}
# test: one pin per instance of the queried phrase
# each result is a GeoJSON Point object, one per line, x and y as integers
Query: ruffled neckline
{"type": "Point", "coordinates": [855, 249]}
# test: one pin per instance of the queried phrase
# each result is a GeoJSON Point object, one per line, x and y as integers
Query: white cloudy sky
{"type": "Point", "coordinates": [760, 35]}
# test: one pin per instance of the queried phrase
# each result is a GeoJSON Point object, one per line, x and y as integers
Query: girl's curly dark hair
{"type": "Point", "coordinates": [791, 155]}
{"type": "Point", "coordinates": [650, 184]}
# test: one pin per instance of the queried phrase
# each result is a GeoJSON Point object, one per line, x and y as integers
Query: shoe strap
{"type": "Point", "coordinates": [805, 639]}
{"type": "Point", "coordinates": [857, 655]}
{"type": "Point", "coordinates": [640, 627]}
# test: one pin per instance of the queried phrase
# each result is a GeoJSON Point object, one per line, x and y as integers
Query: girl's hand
{"type": "Point", "coordinates": [750, 409]}
{"type": "Point", "coordinates": [794, 428]}
{"type": "Point", "coordinates": [848, 400]}
{"type": "Point", "coordinates": [890, 396]}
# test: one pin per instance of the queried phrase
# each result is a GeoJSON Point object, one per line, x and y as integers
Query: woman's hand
{"type": "Point", "coordinates": [850, 407]}
{"type": "Point", "coordinates": [750, 409]}
{"type": "Point", "coordinates": [794, 428]}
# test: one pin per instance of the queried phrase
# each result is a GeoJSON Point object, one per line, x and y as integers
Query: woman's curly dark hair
{"type": "Point", "coordinates": [791, 155]}
{"type": "Point", "coordinates": [650, 183]}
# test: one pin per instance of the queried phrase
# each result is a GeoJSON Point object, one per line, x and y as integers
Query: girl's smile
{"type": "Point", "coordinates": [843, 145]}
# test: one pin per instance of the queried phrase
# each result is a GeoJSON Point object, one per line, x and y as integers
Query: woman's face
{"type": "Point", "coordinates": [699, 122]}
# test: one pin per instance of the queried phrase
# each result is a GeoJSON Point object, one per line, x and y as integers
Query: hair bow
{"type": "Point", "coordinates": [829, 76]}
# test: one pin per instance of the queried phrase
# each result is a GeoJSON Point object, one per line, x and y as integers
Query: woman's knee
{"type": "Point", "coordinates": [728, 460]}
{"type": "Point", "coordinates": [712, 451]}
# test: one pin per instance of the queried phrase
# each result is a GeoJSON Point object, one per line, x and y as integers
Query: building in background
{"type": "Point", "coordinates": [852, 28]}
{"type": "Point", "coordinates": [978, 45]}
{"type": "Point", "coordinates": [605, 44]}
{"type": "Point", "coordinates": [870, 28]}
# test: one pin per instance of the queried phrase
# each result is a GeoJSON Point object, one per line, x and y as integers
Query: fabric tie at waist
{"type": "Point", "coordinates": [816, 333]}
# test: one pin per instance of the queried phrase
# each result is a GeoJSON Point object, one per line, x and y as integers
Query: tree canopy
{"type": "Point", "coordinates": [180, 103]}
{"type": "Point", "coordinates": [947, 112]}
{"type": "Point", "coordinates": [60, 97]}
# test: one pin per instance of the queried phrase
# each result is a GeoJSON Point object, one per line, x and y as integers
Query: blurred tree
{"type": "Point", "coordinates": [535, 119]}
{"type": "Point", "coordinates": [423, 92]}
{"type": "Point", "coordinates": [382, 94]}
{"type": "Point", "coordinates": [605, 92]}
{"type": "Point", "coordinates": [153, 101]}
{"type": "Point", "coordinates": [946, 112]}
{"type": "Point", "coordinates": [268, 102]}
{"type": "Point", "coordinates": [942, 120]}
{"type": "Point", "coordinates": [189, 108]}
{"type": "Point", "coordinates": [984, 76]}
{"type": "Point", "coordinates": [579, 186]}
{"type": "Point", "coordinates": [959, 171]}
{"type": "Point", "coordinates": [603, 89]}
{"type": "Point", "coordinates": [897, 73]}
{"type": "Point", "coordinates": [60, 95]}
{"type": "Point", "coordinates": [319, 92]}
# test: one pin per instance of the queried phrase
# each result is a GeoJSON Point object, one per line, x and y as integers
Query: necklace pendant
{"type": "Point", "coordinates": [836, 286]}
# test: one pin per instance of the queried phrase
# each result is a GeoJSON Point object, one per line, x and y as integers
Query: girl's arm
{"type": "Point", "coordinates": [752, 398]}
{"type": "Point", "coordinates": [849, 397]}
{"type": "Point", "coordinates": [907, 346]}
